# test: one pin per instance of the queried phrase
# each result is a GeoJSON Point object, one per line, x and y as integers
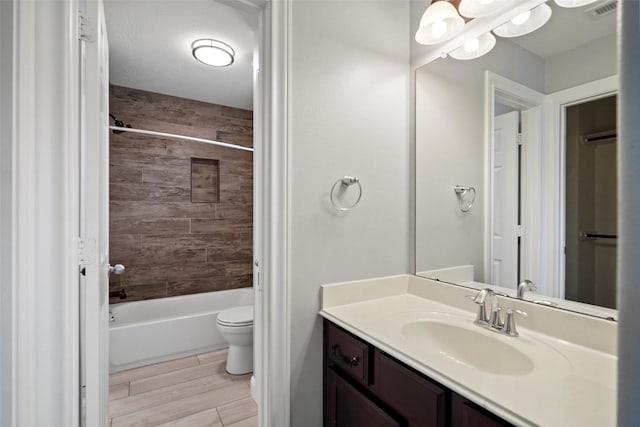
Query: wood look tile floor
{"type": "Point", "coordinates": [190, 392]}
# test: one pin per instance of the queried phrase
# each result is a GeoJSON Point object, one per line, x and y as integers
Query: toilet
{"type": "Point", "coordinates": [236, 326]}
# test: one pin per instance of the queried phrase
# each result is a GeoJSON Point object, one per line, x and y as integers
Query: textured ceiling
{"type": "Point", "coordinates": [149, 49]}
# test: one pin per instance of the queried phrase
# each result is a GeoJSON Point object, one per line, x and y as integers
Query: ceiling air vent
{"type": "Point", "coordinates": [603, 9]}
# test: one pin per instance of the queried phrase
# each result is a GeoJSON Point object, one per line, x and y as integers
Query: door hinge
{"type": "Point", "coordinates": [520, 139]}
{"type": "Point", "coordinates": [519, 230]}
{"type": "Point", "coordinates": [86, 29]}
{"type": "Point", "coordinates": [86, 251]}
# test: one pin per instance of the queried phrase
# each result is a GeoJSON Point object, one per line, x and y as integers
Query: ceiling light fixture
{"type": "Point", "coordinates": [525, 22]}
{"type": "Point", "coordinates": [213, 52]}
{"type": "Point", "coordinates": [439, 23]}
{"type": "Point", "coordinates": [480, 8]}
{"type": "Point", "coordinates": [474, 48]}
{"type": "Point", "coordinates": [574, 3]}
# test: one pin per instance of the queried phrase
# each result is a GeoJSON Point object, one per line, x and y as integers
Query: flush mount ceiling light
{"type": "Point", "coordinates": [474, 48]}
{"type": "Point", "coordinates": [213, 52]}
{"type": "Point", "coordinates": [574, 3]}
{"type": "Point", "coordinates": [480, 8]}
{"type": "Point", "coordinates": [439, 23]}
{"type": "Point", "coordinates": [525, 22]}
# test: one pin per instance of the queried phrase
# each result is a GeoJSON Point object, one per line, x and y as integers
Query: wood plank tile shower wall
{"type": "Point", "coordinates": [169, 244]}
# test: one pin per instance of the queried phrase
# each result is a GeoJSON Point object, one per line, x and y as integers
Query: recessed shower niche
{"type": "Point", "coordinates": [205, 180]}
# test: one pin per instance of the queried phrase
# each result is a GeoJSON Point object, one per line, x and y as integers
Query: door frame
{"type": "Point", "coordinates": [513, 94]}
{"type": "Point", "coordinates": [43, 220]}
{"type": "Point", "coordinates": [40, 351]}
{"type": "Point", "coordinates": [554, 176]}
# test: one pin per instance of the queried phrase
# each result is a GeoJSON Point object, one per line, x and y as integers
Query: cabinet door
{"type": "Point", "coordinates": [420, 401]}
{"type": "Point", "coordinates": [464, 413]}
{"type": "Point", "coordinates": [347, 407]}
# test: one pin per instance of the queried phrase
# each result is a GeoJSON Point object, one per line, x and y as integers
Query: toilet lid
{"type": "Point", "coordinates": [236, 316]}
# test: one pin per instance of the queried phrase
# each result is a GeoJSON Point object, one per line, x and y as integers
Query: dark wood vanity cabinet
{"type": "Point", "coordinates": [363, 387]}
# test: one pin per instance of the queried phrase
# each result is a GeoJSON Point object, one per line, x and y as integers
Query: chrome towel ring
{"type": "Point", "coordinates": [465, 203]}
{"type": "Point", "coordinates": [344, 183]}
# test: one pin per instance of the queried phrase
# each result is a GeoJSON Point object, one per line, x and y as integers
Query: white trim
{"type": "Point", "coordinates": [176, 136]}
{"type": "Point", "coordinates": [518, 96]}
{"type": "Point", "coordinates": [7, 213]}
{"type": "Point", "coordinates": [276, 331]}
{"type": "Point", "coordinates": [46, 215]}
{"type": "Point", "coordinates": [554, 176]}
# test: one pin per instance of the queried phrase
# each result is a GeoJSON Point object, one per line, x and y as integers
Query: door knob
{"type": "Point", "coordinates": [116, 269]}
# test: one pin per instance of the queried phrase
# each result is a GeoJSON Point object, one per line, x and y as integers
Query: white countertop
{"type": "Point", "coordinates": [573, 378]}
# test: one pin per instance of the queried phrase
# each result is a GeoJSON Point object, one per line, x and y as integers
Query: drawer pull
{"type": "Point", "coordinates": [351, 361]}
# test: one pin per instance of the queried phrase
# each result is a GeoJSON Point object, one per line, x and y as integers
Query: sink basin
{"type": "Point", "coordinates": [481, 349]}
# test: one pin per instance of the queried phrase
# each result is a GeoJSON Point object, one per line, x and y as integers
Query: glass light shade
{"type": "Point", "coordinates": [479, 8]}
{"type": "Point", "coordinates": [574, 3]}
{"type": "Point", "coordinates": [520, 26]}
{"type": "Point", "coordinates": [213, 52]}
{"type": "Point", "coordinates": [439, 23]}
{"type": "Point", "coordinates": [474, 48]}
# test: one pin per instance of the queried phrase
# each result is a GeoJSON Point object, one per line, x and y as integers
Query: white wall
{"type": "Point", "coordinates": [589, 62]}
{"type": "Point", "coordinates": [349, 116]}
{"type": "Point", "coordinates": [450, 150]}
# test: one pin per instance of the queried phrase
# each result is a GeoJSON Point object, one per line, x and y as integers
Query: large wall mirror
{"type": "Point", "coordinates": [516, 164]}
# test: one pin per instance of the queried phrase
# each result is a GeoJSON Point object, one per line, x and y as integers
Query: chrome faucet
{"type": "Point", "coordinates": [526, 285]}
{"type": "Point", "coordinates": [494, 321]}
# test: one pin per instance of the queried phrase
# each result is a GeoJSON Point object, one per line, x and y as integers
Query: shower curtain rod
{"type": "Point", "coordinates": [174, 136]}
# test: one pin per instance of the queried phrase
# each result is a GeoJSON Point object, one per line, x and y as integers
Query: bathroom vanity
{"type": "Point", "coordinates": [404, 351]}
{"type": "Point", "coordinates": [364, 386]}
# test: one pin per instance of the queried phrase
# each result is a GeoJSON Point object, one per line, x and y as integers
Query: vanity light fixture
{"type": "Point", "coordinates": [574, 3]}
{"type": "Point", "coordinates": [213, 52]}
{"type": "Point", "coordinates": [479, 8]}
{"type": "Point", "coordinates": [439, 23]}
{"type": "Point", "coordinates": [525, 22]}
{"type": "Point", "coordinates": [475, 47]}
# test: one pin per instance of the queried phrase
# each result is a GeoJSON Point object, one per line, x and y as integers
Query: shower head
{"type": "Point", "coordinates": [119, 123]}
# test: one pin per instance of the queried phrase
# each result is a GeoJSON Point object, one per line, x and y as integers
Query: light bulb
{"type": "Point", "coordinates": [525, 22]}
{"type": "Point", "coordinates": [438, 29]}
{"type": "Point", "coordinates": [474, 48]}
{"type": "Point", "coordinates": [471, 45]}
{"type": "Point", "coordinates": [522, 18]}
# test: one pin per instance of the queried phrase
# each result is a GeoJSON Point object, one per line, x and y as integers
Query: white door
{"type": "Point", "coordinates": [94, 216]}
{"type": "Point", "coordinates": [504, 271]}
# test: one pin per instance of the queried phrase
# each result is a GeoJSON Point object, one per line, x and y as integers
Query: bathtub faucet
{"type": "Point", "coordinates": [120, 294]}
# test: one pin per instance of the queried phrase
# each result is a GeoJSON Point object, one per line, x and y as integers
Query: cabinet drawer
{"type": "Point", "coordinates": [420, 401]}
{"type": "Point", "coordinates": [347, 353]}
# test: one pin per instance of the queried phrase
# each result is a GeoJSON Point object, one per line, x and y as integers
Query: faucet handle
{"type": "Point", "coordinates": [480, 299]}
{"type": "Point", "coordinates": [509, 327]}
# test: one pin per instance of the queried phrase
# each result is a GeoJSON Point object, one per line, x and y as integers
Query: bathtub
{"type": "Point", "coordinates": [152, 331]}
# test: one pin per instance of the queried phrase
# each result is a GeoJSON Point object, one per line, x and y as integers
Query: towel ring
{"type": "Point", "coordinates": [461, 191]}
{"type": "Point", "coordinates": [344, 182]}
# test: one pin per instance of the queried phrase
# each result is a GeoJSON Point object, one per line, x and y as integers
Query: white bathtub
{"type": "Point", "coordinates": [162, 329]}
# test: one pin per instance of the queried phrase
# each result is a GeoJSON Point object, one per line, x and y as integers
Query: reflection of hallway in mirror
{"type": "Point", "coordinates": [591, 202]}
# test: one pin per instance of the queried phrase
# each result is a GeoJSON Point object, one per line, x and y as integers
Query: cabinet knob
{"type": "Point", "coordinates": [351, 361]}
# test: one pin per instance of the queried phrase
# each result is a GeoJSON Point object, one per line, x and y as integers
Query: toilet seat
{"type": "Point", "coordinates": [236, 316]}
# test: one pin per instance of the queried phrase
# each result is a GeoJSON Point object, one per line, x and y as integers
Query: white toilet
{"type": "Point", "coordinates": [236, 326]}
